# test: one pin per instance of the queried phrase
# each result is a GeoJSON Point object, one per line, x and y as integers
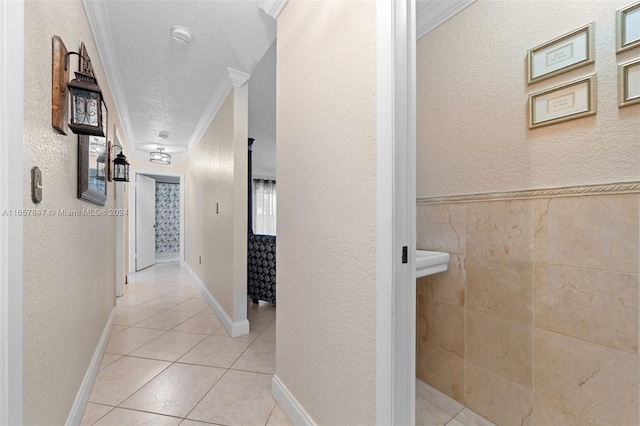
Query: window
{"type": "Point", "coordinates": [264, 207]}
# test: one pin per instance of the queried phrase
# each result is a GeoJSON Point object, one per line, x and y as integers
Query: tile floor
{"type": "Point", "coordinates": [169, 361]}
{"type": "Point", "coordinates": [433, 408]}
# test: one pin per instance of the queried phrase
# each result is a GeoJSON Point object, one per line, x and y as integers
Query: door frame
{"type": "Point", "coordinates": [396, 212]}
{"type": "Point", "coordinates": [11, 197]}
{"type": "Point", "coordinates": [132, 214]}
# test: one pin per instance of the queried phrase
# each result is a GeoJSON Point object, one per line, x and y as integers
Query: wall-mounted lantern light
{"type": "Point", "coordinates": [86, 96]}
{"type": "Point", "coordinates": [120, 167]}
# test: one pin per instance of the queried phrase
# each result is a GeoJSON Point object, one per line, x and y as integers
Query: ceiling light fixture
{"type": "Point", "coordinates": [160, 157]}
{"type": "Point", "coordinates": [181, 35]}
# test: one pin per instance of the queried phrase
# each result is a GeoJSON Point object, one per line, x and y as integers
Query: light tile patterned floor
{"type": "Point", "coordinates": [169, 361]}
{"type": "Point", "coordinates": [433, 408]}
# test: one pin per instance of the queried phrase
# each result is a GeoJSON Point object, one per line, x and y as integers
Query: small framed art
{"type": "Point", "coordinates": [562, 54]}
{"type": "Point", "coordinates": [628, 27]}
{"type": "Point", "coordinates": [629, 83]}
{"type": "Point", "coordinates": [571, 100]}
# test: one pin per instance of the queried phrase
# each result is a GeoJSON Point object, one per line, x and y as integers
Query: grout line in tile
{"type": "Point", "coordinates": [97, 403]}
{"type": "Point", "coordinates": [150, 412]}
{"type": "Point", "coordinates": [206, 393]}
{"type": "Point", "coordinates": [145, 384]}
{"type": "Point", "coordinates": [271, 413]}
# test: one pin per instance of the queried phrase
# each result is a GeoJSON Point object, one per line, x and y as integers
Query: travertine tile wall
{"type": "Point", "coordinates": [536, 320]}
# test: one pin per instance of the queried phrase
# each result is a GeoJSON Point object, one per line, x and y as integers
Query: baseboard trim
{"type": "Point", "coordinates": [289, 404]}
{"type": "Point", "coordinates": [234, 329]}
{"type": "Point", "coordinates": [82, 398]}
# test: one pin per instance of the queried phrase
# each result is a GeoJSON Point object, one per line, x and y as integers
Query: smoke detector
{"type": "Point", "coordinates": [181, 35]}
{"type": "Point", "coordinates": [163, 135]}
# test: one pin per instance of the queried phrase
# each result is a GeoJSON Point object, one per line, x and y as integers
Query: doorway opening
{"type": "Point", "coordinates": [157, 220]}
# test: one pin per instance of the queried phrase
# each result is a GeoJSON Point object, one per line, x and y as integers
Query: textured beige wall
{"type": "Point", "coordinates": [326, 173]}
{"type": "Point", "coordinates": [472, 132]}
{"type": "Point", "coordinates": [68, 261]}
{"type": "Point", "coordinates": [214, 174]}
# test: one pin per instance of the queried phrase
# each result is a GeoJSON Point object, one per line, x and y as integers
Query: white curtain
{"type": "Point", "coordinates": [264, 207]}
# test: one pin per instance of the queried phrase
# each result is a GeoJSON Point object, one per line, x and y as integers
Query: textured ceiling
{"type": "Point", "coordinates": [160, 85]}
{"type": "Point", "coordinates": [168, 86]}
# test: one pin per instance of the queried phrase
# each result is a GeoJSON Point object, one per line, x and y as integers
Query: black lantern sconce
{"type": "Point", "coordinates": [120, 166]}
{"type": "Point", "coordinates": [86, 96]}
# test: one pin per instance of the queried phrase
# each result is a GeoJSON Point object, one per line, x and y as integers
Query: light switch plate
{"type": "Point", "coordinates": [36, 184]}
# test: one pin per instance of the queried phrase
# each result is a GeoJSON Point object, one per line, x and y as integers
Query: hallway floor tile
{"type": "Point", "coordinates": [169, 361]}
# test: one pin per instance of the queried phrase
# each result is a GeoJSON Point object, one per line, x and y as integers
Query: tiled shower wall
{"type": "Point", "coordinates": [536, 320]}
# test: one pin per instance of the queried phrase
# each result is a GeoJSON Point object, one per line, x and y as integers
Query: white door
{"type": "Point", "coordinates": [145, 222]}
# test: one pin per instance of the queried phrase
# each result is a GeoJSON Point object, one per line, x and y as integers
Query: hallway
{"type": "Point", "coordinates": [169, 360]}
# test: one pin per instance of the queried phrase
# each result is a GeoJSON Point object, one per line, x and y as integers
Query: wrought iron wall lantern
{"type": "Point", "coordinates": [120, 166]}
{"type": "Point", "coordinates": [86, 96]}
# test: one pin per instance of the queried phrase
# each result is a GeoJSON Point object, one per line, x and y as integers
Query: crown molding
{"type": "Point", "coordinates": [216, 101]}
{"type": "Point", "coordinates": [99, 22]}
{"type": "Point", "coordinates": [272, 7]}
{"type": "Point", "coordinates": [617, 188]}
{"type": "Point", "coordinates": [238, 78]}
{"type": "Point", "coordinates": [436, 13]}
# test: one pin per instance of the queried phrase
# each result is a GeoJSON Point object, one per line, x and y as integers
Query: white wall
{"type": "Point", "coordinates": [472, 128]}
{"type": "Point", "coordinates": [326, 172]}
{"type": "Point", "coordinates": [68, 261]}
{"type": "Point", "coordinates": [216, 172]}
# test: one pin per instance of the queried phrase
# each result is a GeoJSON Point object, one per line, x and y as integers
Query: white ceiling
{"type": "Point", "coordinates": [165, 86]}
{"type": "Point", "coordinates": [159, 85]}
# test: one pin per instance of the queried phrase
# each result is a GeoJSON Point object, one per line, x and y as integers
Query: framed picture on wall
{"type": "Point", "coordinates": [628, 27]}
{"type": "Point", "coordinates": [571, 100]}
{"type": "Point", "coordinates": [629, 83]}
{"type": "Point", "coordinates": [562, 54]}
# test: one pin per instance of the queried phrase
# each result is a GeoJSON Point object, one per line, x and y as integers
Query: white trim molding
{"type": "Point", "coordinates": [565, 191]}
{"type": "Point", "coordinates": [396, 213]}
{"type": "Point", "coordinates": [96, 11]}
{"type": "Point", "coordinates": [438, 12]}
{"type": "Point", "coordinates": [272, 7]}
{"type": "Point", "coordinates": [11, 198]}
{"type": "Point", "coordinates": [234, 329]}
{"type": "Point", "coordinates": [214, 105]}
{"type": "Point", "coordinates": [289, 404]}
{"type": "Point", "coordinates": [238, 78]}
{"type": "Point", "coordinates": [82, 398]}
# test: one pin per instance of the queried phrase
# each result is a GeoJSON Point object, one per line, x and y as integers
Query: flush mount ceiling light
{"type": "Point", "coordinates": [181, 35]}
{"type": "Point", "coordinates": [160, 157]}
